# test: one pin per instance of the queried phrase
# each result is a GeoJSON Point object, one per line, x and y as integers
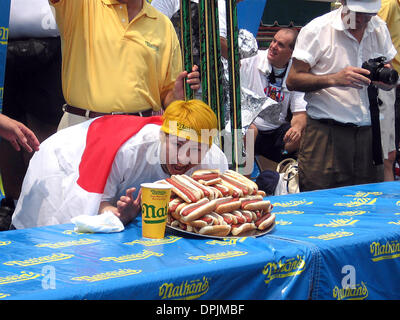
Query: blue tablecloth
{"type": "Point", "coordinates": [335, 244]}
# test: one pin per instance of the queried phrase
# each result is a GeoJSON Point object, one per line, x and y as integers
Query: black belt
{"type": "Point", "coordinates": [332, 122]}
{"type": "Point", "coordinates": [94, 114]}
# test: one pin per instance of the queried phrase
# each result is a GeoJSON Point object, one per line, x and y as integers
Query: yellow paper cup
{"type": "Point", "coordinates": [155, 199]}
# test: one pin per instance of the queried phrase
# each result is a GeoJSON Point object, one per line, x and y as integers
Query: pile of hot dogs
{"type": "Point", "coordinates": [215, 204]}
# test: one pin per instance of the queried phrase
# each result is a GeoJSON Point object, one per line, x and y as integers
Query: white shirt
{"type": "Point", "coordinates": [328, 47]}
{"type": "Point", "coordinates": [32, 19]}
{"type": "Point", "coordinates": [51, 195]}
{"type": "Point", "coordinates": [254, 74]}
{"type": "Point", "coordinates": [138, 161]}
{"type": "Point", "coordinates": [169, 7]}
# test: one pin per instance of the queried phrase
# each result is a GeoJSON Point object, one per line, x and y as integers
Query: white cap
{"type": "Point", "coordinates": [365, 6]}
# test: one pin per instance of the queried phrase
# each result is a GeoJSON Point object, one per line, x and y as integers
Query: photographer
{"type": "Point", "coordinates": [337, 145]}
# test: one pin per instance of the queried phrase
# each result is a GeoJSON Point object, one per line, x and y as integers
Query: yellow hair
{"type": "Point", "coordinates": [187, 119]}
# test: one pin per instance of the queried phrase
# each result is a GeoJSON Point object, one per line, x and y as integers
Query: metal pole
{"type": "Point", "coordinates": [186, 41]}
{"type": "Point", "coordinates": [234, 81]}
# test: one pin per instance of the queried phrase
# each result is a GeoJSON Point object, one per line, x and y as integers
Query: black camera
{"type": "Point", "coordinates": [379, 72]}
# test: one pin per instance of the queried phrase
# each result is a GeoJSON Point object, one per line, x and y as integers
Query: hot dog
{"type": "Point", "coordinates": [196, 210]}
{"type": "Point", "coordinates": [254, 205]}
{"type": "Point", "coordinates": [225, 191]}
{"type": "Point", "coordinates": [242, 228]}
{"type": "Point", "coordinates": [210, 182]}
{"type": "Point", "coordinates": [253, 188]}
{"type": "Point", "coordinates": [227, 204]}
{"type": "Point", "coordinates": [265, 221]}
{"type": "Point", "coordinates": [195, 191]}
{"type": "Point", "coordinates": [233, 190]}
{"type": "Point", "coordinates": [229, 218]}
{"type": "Point", "coordinates": [239, 217]}
{"type": "Point", "coordinates": [203, 188]}
{"type": "Point", "coordinates": [173, 204]}
{"type": "Point", "coordinates": [238, 184]}
{"type": "Point", "coordinates": [206, 174]}
{"type": "Point", "coordinates": [217, 193]}
{"type": "Point", "coordinates": [219, 230]}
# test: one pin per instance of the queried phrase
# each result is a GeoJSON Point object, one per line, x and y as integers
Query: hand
{"type": "Point", "coordinates": [351, 77]}
{"type": "Point", "coordinates": [128, 208]}
{"type": "Point", "coordinates": [18, 134]}
{"type": "Point", "coordinates": [292, 135]}
{"type": "Point", "coordinates": [192, 79]}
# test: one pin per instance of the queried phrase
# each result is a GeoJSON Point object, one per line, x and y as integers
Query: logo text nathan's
{"type": "Point", "coordinates": [289, 267]}
{"type": "Point", "coordinates": [186, 290]}
{"type": "Point", "coordinates": [383, 251]}
{"type": "Point", "coordinates": [358, 292]}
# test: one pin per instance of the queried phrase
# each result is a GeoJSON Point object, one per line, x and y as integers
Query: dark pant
{"type": "Point", "coordinates": [333, 156]}
{"type": "Point", "coordinates": [270, 143]}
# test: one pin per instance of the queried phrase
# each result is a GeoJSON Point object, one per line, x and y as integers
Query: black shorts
{"type": "Point", "coordinates": [270, 143]}
{"type": "Point", "coordinates": [32, 81]}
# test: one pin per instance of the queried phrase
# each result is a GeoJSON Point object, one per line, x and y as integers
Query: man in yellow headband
{"type": "Point", "coordinates": [98, 166]}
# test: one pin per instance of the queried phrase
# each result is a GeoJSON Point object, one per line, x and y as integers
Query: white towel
{"type": "Point", "coordinates": [106, 222]}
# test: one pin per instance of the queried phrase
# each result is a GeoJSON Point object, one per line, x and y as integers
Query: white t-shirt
{"type": "Point", "coordinates": [169, 7]}
{"type": "Point", "coordinates": [32, 19]}
{"type": "Point", "coordinates": [138, 161]}
{"type": "Point", "coordinates": [328, 47]}
{"type": "Point", "coordinates": [51, 195]}
{"type": "Point", "coordinates": [254, 72]}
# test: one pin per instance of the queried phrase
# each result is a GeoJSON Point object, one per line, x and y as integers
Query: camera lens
{"type": "Point", "coordinates": [387, 76]}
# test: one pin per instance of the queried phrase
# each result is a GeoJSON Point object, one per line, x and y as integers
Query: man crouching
{"type": "Point", "coordinates": [98, 165]}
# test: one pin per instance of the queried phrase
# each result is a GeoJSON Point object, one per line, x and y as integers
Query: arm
{"type": "Point", "coordinates": [301, 79]}
{"type": "Point", "coordinates": [126, 208]}
{"type": "Point", "coordinates": [18, 134]}
{"type": "Point", "coordinates": [298, 124]}
{"type": "Point", "coordinates": [177, 92]}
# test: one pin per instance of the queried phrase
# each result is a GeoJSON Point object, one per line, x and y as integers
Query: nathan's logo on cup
{"type": "Point", "coordinates": [151, 212]}
{"type": "Point", "coordinates": [155, 199]}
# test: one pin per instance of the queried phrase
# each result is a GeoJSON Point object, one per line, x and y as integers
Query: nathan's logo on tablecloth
{"type": "Point", "coordinates": [361, 194]}
{"type": "Point", "coordinates": [3, 35]}
{"type": "Point", "coordinates": [348, 213]}
{"type": "Point", "coordinates": [333, 235]}
{"type": "Point", "coordinates": [226, 241]}
{"type": "Point", "coordinates": [284, 268]}
{"type": "Point", "coordinates": [64, 244]}
{"type": "Point", "coordinates": [24, 276]}
{"type": "Point", "coordinates": [133, 257]}
{"type": "Point", "coordinates": [154, 242]}
{"type": "Point", "coordinates": [282, 222]}
{"type": "Point", "coordinates": [219, 255]}
{"type": "Point", "coordinates": [4, 243]}
{"type": "Point", "coordinates": [290, 212]}
{"type": "Point", "coordinates": [292, 203]}
{"type": "Point", "coordinates": [186, 290]}
{"type": "Point", "coordinates": [357, 292]}
{"type": "Point", "coordinates": [4, 295]}
{"type": "Point", "coordinates": [108, 275]}
{"type": "Point", "coordinates": [39, 260]}
{"type": "Point", "coordinates": [337, 223]}
{"type": "Point", "coordinates": [357, 202]}
{"type": "Point", "coordinates": [384, 251]}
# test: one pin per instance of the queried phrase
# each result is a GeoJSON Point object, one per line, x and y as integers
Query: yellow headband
{"type": "Point", "coordinates": [192, 120]}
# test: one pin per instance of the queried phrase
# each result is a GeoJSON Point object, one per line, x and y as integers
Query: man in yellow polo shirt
{"type": "Point", "coordinates": [119, 56]}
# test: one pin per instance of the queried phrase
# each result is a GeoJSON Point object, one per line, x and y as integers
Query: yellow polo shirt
{"type": "Point", "coordinates": [390, 12]}
{"type": "Point", "coordinates": [111, 64]}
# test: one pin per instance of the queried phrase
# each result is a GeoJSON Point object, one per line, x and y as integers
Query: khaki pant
{"type": "Point", "coordinates": [69, 119]}
{"type": "Point", "coordinates": [333, 156]}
